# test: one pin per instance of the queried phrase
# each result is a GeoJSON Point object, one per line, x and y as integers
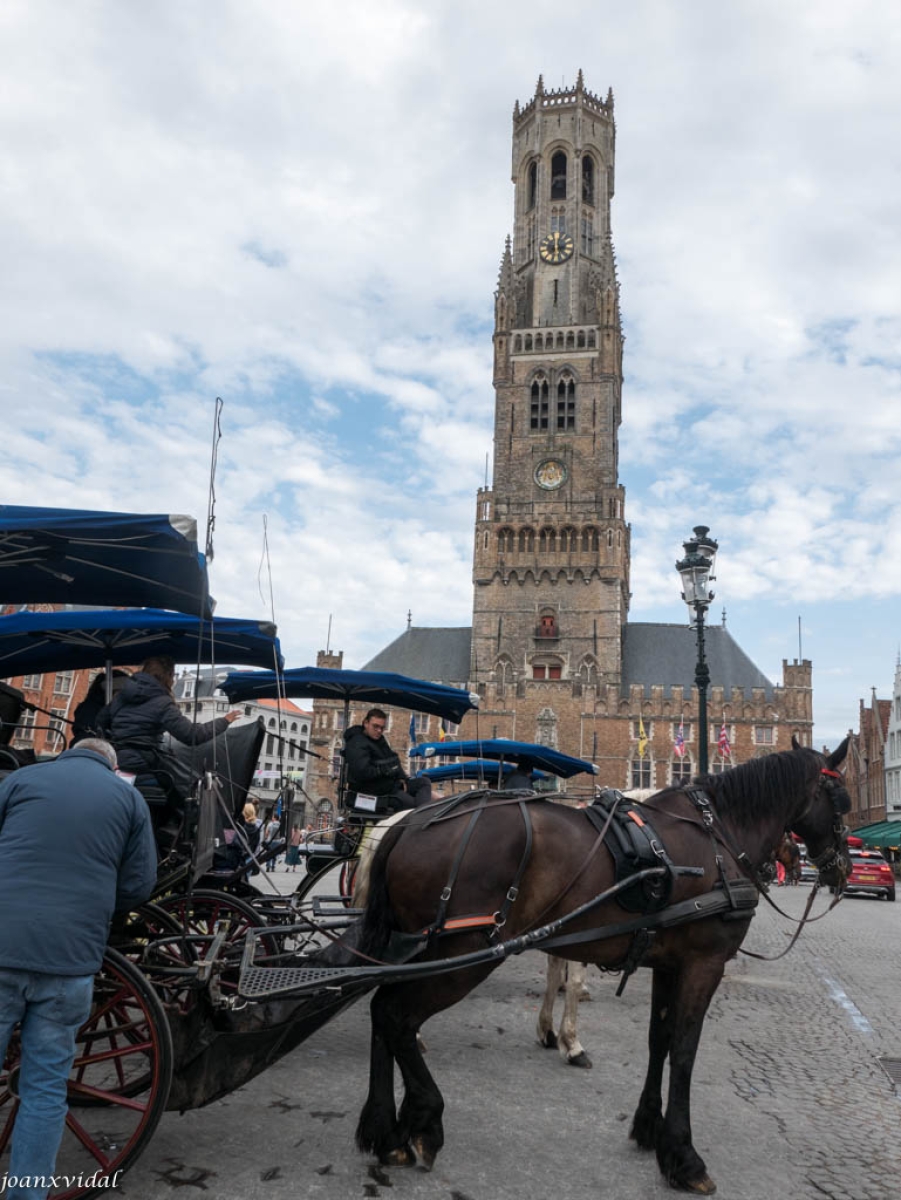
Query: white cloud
{"type": "Point", "coordinates": [302, 210]}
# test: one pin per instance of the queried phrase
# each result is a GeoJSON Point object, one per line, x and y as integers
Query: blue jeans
{"type": "Point", "coordinates": [51, 1008]}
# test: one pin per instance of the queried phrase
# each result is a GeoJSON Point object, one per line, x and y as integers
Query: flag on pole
{"type": "Point", "coordinates": [642, 739]}
{"type": "Point", "coordinates": [679, 746]}
{"type": "Point", "coordinates": [412, 728]}
{"type": "Point", "coordinates": [442, 731]}
{"type": "Point", "coordinates": [723, 744]}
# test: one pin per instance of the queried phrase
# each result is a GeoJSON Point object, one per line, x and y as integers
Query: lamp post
{"type": "Point", "coordinates": [696, 573]}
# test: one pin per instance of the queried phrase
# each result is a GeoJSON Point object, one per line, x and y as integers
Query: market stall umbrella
{"type": "Point", "coordinates": [32, 643]}
{"type": "Point", "coordinates": [525, 754]}
{"type": "Point", "coordinates": [76, 556]}
{"type": "Point", "coordinates": [365, 687]}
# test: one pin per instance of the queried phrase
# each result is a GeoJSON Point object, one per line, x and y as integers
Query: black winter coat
{"type": "Point", "coordinates": [139, 716]}
{"type": "Point", "coordinates": [372, 766]}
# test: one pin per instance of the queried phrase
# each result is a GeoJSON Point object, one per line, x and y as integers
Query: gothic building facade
{"type": "Point", "coordinates": [550, 649]}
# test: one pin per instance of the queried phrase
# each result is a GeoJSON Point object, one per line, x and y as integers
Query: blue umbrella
{"type": "Point", "coordinates": [75, 556]}
{"type": "Point", "coordinates": [524, 754]}
{"type": "Point", "coordinates": [366, 687]}
{"type": "Point", "coordinates": [32, 643]}
{"type": "Point", "coordinates": [476, 769]}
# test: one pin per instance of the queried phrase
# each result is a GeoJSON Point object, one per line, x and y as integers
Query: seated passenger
{"type": "Point", "coordinates": [375, 770]}
{"type": "Point", "coordinates": [142, 712]}
{"type": "Point", "coordinates": [84, 719]}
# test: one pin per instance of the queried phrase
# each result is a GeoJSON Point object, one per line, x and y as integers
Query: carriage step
{"type": "Point", "coordinates": [258, 983]}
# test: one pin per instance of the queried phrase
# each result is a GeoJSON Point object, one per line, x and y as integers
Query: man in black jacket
{"type": "Point", "coordinates": [374, 769]}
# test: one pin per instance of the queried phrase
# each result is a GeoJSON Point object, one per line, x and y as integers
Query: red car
{"type": "Point", "coordinates": [870, 873]}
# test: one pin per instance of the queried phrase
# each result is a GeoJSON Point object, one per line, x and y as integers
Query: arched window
{"type": "Point", "coordinates": [505, 541]}
{"type": "Point", "coordinates": [568, 539]}
{"type": "Point", "coordinates": [517, 344]}
{"type": "Point", "coordinates": [547, 625]}
{"type": "Point", "coordinates": [592, 340]}
{"type": "Point", "coordinates": [528, 341]}
{"type": "Point", "coordinates": [570, 340]}
{"type": "Point", "coordinates": [559, 341]}
{"type": "Point", "coordinates": [558, 220]}
{"type": "Point", "coordinates": [580, 339]}
{"type": "Point", "coordinates": [588, 672]}
{"type": "Point", "coordinates": [587, 180]}
{"type": "Point", "coordinates": [566, 403]}
{"type": "Point", "coordinates": [539, 410]}
{"type": "Point", "coordinates": [539, 342]}
{"type": "Point", "coordinates": [503, 674]}
{"type": "Point", "coordinates": [547, 542]}
{"type": "Point", "coordinates": [532, 193]}
{"type": "Point", "coordinates": [590, 540]}
{"type": "Point", "coordinates": [526, 540]}
{"type": "Point", "coordinates": [558, 176]}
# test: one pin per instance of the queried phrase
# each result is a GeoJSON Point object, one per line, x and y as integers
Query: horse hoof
{"type": "Point", "coordinates": [549, 1041]}
{"type": "Point", "coordinates": [425, 1156]}
{"type": "Point", "coordinates": [401, 1156]}
{"type": "Point", "coordinates": [699, 1187]}
{"type": "Point", "coordinates": [580, 1060]}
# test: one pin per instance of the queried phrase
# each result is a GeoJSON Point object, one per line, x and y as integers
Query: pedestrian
{"type": "Point", "coordinates": [292, 858]}
{"type": "Point", "coordinates": [76, 846]}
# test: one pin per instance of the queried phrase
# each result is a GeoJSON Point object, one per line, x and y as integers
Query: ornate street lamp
{"type": "Point", "coordinates": [696, 573]}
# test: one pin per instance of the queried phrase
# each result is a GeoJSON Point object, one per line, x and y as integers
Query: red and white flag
{"type": "Point", "coordinates": [724, 748]}
{"type": "Point", "coordinates": [679, 745]}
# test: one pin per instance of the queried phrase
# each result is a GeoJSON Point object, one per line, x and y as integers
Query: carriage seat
{"type": "Point", "coordinates": [368, 807]}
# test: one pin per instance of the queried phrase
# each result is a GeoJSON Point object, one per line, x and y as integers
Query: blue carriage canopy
{"type": "Point", "coordinates": [477, 769]}
{"type": "Point", "coordinates": [35, 642]}
{"type": "Point", "coordinates": [365, 687]}
{"type": "Point", "coordinates": [525, 754]}
{"type": "Point", "coordinates": [77, 556]}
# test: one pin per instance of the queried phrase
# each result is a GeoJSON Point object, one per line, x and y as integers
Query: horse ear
{"type": "Point", "coordinates": [796, 745]}
{"type": "Point", "coordinates": [837, 756]}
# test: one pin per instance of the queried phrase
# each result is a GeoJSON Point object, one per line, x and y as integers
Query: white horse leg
{"type": "Point", "coordinates": [556, 974]}
{"type": "Point", "coordinates": [570, 1047]}
{"type": "Point", "coordinates": [571, 978]}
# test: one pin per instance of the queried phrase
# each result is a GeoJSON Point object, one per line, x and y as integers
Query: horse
{"type": "Point", "coordinates": [498, 874]}
{"type": "Point", "coordinates": [790, 856]}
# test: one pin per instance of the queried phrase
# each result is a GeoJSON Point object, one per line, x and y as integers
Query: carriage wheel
{"type": "Point", "coordinates": [125, 1039]}
{"type": "Point", "coordinates": [199, 913]}
{"type": "Point", "coordinates": [346, 881]}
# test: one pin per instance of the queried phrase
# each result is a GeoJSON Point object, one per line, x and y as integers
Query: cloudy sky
{"type": "Point", "coordinates": [302, 209]}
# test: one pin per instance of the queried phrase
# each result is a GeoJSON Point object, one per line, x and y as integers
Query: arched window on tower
{"type": "Point", "coordinates": [558, 176]}
{"type": "Point", "coordinates": [526, 540]}
{"type": "Point", "coordinates": [539, 410]}
{"type": "Point", "coordinates": [588, 672]}
{"type": "Point", "coordinates": [587, 236]}
{"type": "Point", "coordinates": [566, 403]}
{"type": "Point", "coordinates": [532, 194]}
{"type": "Point", "coordinates": [590, 540]}
{"type": "Point", "coordinates": [503, 674]}
{"type": "Point", "coordinates": [587, 180]}
{"type": "Point", "coordinates": [505, 541]}
{"type": "Point", "coordinates": [547, 542]}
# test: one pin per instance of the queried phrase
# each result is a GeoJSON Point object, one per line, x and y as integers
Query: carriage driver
{"type": "Point", "coordinates": [374, 769]}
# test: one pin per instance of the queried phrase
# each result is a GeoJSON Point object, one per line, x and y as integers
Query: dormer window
{"type": "Point", "coordinates": [558, 176]}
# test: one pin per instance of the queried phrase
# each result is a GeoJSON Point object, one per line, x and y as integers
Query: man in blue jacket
{"type": "Point", "coordinates": [76, 845]}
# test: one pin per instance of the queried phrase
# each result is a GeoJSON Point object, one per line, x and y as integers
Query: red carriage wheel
{"type": "Point", "coordinates": [124, 1044]}
{"type": "Point", "coordinates": [200, 911]}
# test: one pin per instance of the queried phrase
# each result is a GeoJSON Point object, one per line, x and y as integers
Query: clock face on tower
{"type": "Point", "coordinates": [550, 474]}
{"type": "Point", "coordinates": [556, 248]}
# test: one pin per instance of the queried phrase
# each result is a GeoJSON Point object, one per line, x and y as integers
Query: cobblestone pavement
{"type": "Point", "coordinates": [789, 1099]}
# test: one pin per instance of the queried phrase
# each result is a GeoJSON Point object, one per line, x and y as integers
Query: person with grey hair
{"type": "Point", "coordinates": [76, 846]}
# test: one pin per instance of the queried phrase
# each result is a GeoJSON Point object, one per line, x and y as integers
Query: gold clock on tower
{"type": "Point", "coordinates": [556, 248]}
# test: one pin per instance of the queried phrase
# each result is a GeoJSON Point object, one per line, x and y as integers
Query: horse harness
{"type": "Point", "coordinates": [644, 875]}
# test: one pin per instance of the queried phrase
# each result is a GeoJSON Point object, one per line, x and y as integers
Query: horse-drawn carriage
{"type": "Point", "coordinates": [185, 1012]}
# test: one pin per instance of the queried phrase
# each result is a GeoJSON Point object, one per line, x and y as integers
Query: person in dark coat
{"type": "Point", "coordinates": [75, 846]}
{"type": "Point", "coordinates": [375, 770]}
{"type": "Point", "coordinates": [143, 711]}
{"type": "Point", "coordinates": [84, 719]}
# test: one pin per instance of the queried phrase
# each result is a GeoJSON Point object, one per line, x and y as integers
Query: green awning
{"type": "Point", "coordinates": [885, 835]}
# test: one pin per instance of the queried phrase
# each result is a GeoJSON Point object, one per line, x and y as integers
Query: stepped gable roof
{"type": "Point", "coordinates": [668, 654]}
{"type": "Point", "coordinates": [439, 655]}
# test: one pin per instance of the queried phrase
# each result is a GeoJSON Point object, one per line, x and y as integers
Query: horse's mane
{"type": "Point", "coordinates": [756, 790]}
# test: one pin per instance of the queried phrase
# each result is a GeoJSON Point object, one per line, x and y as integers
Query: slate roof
{"type": "Point", "coordinates": [668, 654]}
{"type": "Point", "coordinates": [439, 655]}
{"type": "Point", "coordinates": [652, 654]}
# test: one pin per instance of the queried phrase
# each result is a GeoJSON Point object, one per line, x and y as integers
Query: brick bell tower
{"type": "Point", "coordinates": [551, 561]}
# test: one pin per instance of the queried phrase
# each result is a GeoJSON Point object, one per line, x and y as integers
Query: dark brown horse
{"type": "Point", "coordinates": [535, 863]}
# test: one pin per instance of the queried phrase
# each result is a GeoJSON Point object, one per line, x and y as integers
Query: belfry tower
{"type": "Point", "coordinates": [551, 561]}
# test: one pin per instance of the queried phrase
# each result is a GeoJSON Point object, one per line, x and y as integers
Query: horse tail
{"type": "Point", "coordinates": [379, 921]}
